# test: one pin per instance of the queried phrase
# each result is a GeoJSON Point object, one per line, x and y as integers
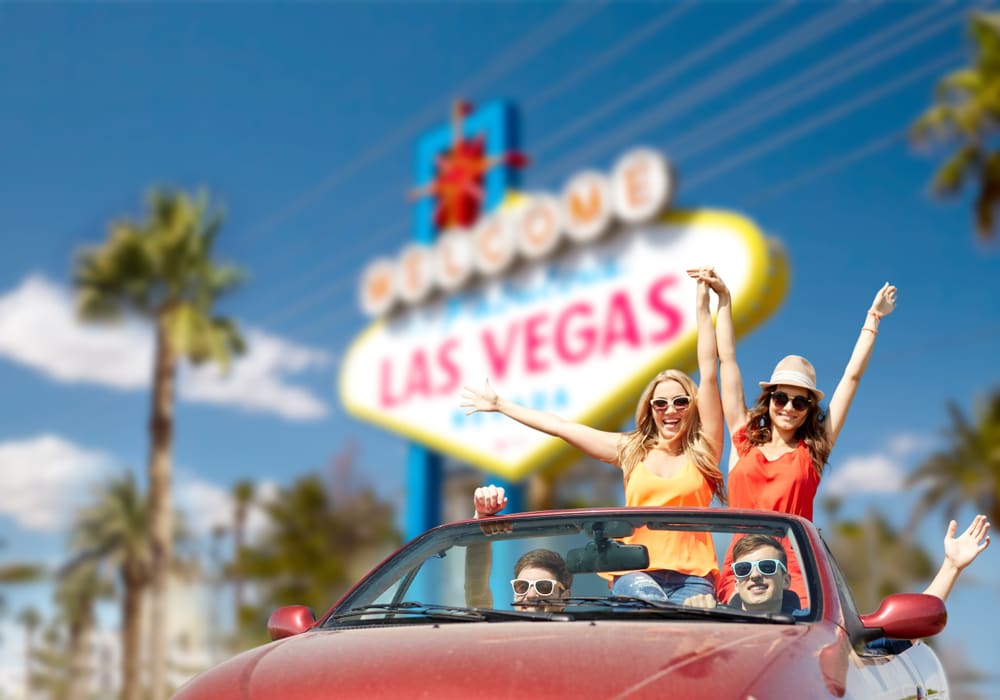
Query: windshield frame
{"type": "Point", "coordinates": [409, 559]}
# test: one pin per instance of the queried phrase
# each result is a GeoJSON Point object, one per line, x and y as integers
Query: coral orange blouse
{"type": "Point", "coordinates": [786, 485]}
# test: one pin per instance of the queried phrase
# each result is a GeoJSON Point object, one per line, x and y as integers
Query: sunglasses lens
{"type": "Point", "coordinates": [742, 569]}
{"type": "Point", "coordinates": [544, 587]}
{"type": "Point", "coordinates": [768, 567]}
{"type": "Point", "coordinates": [780, 398]}
{"type": "Point", "coordinates": [520, 586]}
{"type": "Point", "coordinates": [660, 404]}
{"type": "Point", "coordinates": [682, 401]}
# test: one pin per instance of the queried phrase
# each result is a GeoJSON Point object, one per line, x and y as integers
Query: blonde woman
{"type": "Point", "coordinates": [670, 459]}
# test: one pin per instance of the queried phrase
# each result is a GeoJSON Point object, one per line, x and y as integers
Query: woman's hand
{"type": "Point", "coordinates": [485, 400]}
{"type": "Point", "coordinates": [709, 276]}
{"type": "Point", "coordinates": [885, 300]}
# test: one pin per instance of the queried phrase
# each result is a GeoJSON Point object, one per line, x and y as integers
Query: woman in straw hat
{"type": "Point", "coordinates": [671, 458]}
{"type": "Point", "coordinates": [781, 443]}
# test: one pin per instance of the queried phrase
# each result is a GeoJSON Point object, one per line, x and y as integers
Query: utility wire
{"type": "Point", "coordinates": [570, 16]}
{"type": "Point", "coordinates": [741, 69]}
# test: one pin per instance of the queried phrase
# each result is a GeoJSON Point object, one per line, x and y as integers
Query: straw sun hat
{"type": "Point", "coordinates": [794, 370]}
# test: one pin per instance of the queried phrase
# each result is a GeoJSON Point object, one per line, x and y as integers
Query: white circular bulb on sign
{"type": "Point", "coordinates": [453, 261]}
{"type": "Point", "coordinates": [493, 245]}
{"type": "Point", "coordinates": [587, 206]}
{"type": "Point", "coordinates": [415, 273]}
{"type": "Point", "coordinates": [539, 226]}
{"type": "Point", "coordinates": [643, 185]}
{"type": "Point", "coordinates": [378, 287]}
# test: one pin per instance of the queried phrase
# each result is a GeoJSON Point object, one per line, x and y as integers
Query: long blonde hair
{"type": "Point", "coordinates": [698, 447]}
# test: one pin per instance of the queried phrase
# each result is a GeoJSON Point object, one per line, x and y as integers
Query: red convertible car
{"type": "Point", "coordinates": [447, 616]}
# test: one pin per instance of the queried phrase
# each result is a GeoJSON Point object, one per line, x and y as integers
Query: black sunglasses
{"type": "Point", "coordinates": [679, 402]}
{"type": "Point", "coordinates": [799, 403]}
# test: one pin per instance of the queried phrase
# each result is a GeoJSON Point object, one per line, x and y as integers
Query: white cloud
{"type": "Point", "coordinates": [867, 474]}
{"type": "Point", "coordinates": [42, 480]}
{"type": "Point", "coordinates": [907, 444]}
{"type": "Point", "coordinates": [38, 328]}
{"type": "Point", "coordinates": [207, 505]}
{"type": "Point", "coordinates": [258, 381]}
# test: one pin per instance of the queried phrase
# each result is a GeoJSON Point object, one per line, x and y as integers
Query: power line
{"type": "Point", "coordinates": [807, 84]}
{"type": "Point", "coordinates": [621, 48]}
{"type": "Point", "coordinates": [869, 149]}
{"type": "Point", "coordinates": [747, 155]}
{"type": "Point", "coordinates": [823, 119]}
{"type": "Point", "coordinates": [645, 32]}
{"type": "Point", "coordinates": [562, 22]}
{"type": "Point", "coordinates": [677, 104]}
{"type": "Point", "coordinates": [672, 71]}
{"type": "Point", "coordinates": [806, 33]}
{"type": "Point", "coordinates": [692, 60]}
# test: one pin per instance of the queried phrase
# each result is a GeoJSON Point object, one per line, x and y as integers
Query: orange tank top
{"type": "Point", "coordinates": [691, 553]}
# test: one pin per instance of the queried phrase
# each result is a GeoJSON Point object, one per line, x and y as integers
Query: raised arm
{"type": "Point", "coordinates": [840, 403]}
{"type": "Point", "coordinates": [598, 444]}
{"type": "Point", "coordinates": [959, 552]}
{"type": "Point", "coordinates": [487, 500]}
{"type": "Point", "coordinates": [733, 402]}
{"type": "Point", "coordinates": [709, 403]}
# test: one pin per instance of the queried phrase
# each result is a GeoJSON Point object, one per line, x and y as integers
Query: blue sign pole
{"type": "Point", "coordinates": [498, 124]}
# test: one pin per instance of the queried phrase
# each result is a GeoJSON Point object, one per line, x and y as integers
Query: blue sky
{"type": "Point", "coordinates": [301, 119]}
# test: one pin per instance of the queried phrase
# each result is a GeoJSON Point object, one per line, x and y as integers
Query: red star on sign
{"type": "Point", "coordinates": [459, 172]}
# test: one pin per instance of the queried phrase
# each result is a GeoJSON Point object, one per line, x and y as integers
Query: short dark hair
{"type": "Point", "coordinates": [548, 560]}
{"type": "Point", "coordinates": [753, 542]}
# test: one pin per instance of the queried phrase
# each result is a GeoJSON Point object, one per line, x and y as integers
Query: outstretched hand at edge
{"type": "Point", "coordinates": [964, 549]}
{"type": "Point", "coordinates": [485, 400]}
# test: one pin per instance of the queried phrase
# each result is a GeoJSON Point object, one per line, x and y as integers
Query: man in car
{"type": "Point", "coordinates": [760, 567]}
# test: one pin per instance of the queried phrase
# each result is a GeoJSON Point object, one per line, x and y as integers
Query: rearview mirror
{"type": "Point", "coordinates": [606, 555]}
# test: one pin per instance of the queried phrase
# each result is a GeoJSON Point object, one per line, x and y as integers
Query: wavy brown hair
{"type": "Point", "coordinates": [698, 447]}
{"type": "Point", "coordinates": [812, 431]}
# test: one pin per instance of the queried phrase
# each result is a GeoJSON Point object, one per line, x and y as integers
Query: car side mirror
{"type": "Point", "coordinates": [289, 621]}
{"type": "Point", "coordinates": [906, 616]}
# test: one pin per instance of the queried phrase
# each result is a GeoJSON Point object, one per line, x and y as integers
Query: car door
{"type": "Point", "coordinates": [895, 671]}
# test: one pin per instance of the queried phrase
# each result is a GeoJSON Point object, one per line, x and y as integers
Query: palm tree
{"type": "Point", "coordinates": [243, 494]}
{"type": "Point", "coordinates": [162, 269]}
{"type": "Point", "coordinates": [30, 619]}
{"type": "Point", "coordinates": [967, 113]}
{"type": "Point", "coordinates": [313, 549]}
{"type": "Point", "coordinates": [967, 472]}
{"type": "Point", "coordinates": [114, 530]}
{"type": "Point", "coordinates": [876, 559]}
{"type": "Point", "coordinates": [76, 593]}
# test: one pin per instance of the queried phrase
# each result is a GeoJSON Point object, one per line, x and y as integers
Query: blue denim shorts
{"type": "Point", "coordinates": [663, 586]}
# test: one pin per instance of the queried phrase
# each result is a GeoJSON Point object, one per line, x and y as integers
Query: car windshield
{"type": "Point", "coordinates": [466, 570]}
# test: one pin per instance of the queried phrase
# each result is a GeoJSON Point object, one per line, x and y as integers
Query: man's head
{"type": "Point", "coordinates": [541, 576]}
{"type": "Point", "coordinates": [760, 566]}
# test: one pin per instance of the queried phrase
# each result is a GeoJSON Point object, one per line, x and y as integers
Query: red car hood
{"type": "Point", "coordinates": [532, 659]}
